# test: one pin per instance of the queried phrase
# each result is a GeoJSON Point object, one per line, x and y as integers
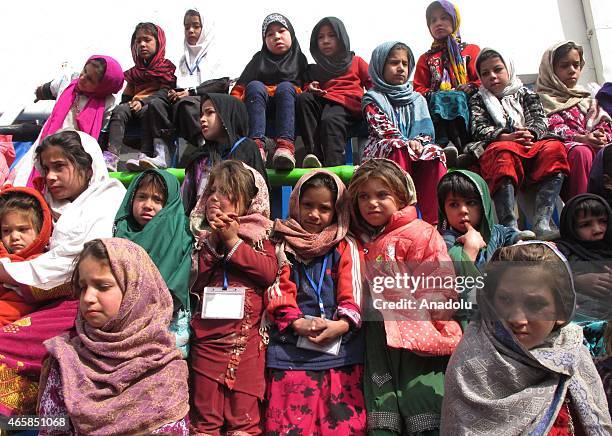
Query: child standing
{"type": "Point", "coordinates": [152, 74]}
{"type": "Point", "coordinates": [399, 125]}
{"type": "Point", "coordinates": [152, 215]}
{"type": "Point", "coordinates": [316, 303]}
{"type": "Point", "coordinates": [271, 81]}
{"type": "Point", "coordinates": [25, 227]}
{"type": "Point", "coordinates": [119, 372]}
{"type": "Point", "coordinates": [224, 124]}
{"type": "Point", "coordinates": [448, 66]}
{"type": "Point", "coordinates": [572, 113]}
{"type": "Point", "coordinates": [513, 142]}
{"type": "Point", "coordinates": [332, 101]}
{"type": "Point", "coordinates": [407, 351]}
{"type": "Point", "coordinates": [236, 263]}
{"type": "Point", "coordinates": [521, 368]}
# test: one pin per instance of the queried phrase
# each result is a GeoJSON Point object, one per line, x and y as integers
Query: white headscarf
{"type": "Point", "coordinates": [195, 65]}
{"type": "Point", "coordinates": [89, 216]}
{"type": "Point", "coordinates": [505, 107]}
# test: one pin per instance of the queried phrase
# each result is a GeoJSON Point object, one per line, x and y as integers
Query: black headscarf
{"type": "Point", "coordinates": [326, 68]}
{"type": "Point", "coordinates": [572, 246]}
{"type": "Point", "coordinates": [272, 69]}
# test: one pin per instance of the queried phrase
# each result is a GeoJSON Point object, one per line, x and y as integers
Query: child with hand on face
{"type": "Point", "coordinates": [236, 264]}
{"type": "Point", "coordinates": [152, 74]}
{"type": "Point", "coordinates": [332, 101]}
{"type": "Point", "coordinates": [446, 75]}
{"type": "Point", "coordinates": [572, 114]}
{"type": "Point", "coordinates": [315, 355]}
{"type": "Point", "coordinates": [545, 381]}
{"type": "Point", "coordinates": [271, 82]}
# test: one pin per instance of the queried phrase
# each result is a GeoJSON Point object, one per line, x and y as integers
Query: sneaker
{"type": "Point", "coordinates": [160, 160]}
{"type": "Point", "coordinates": [283, 159]}
{"type": "Point", "coordinates": [451, 155]}
{"type": "Point", "coordinates": [134, 164]}
{"type": "Point", "coordinates": [311, 161]}
{"type": "Point", "coordinates": [525, 235]}
{"type": "Point", "coordinates": [111, 160]}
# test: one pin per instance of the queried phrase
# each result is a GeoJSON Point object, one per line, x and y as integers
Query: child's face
{"type": "Point", "coordinates": [278, 39]}
{"type": "Point", "coordinates": [376, 202]}
{"type": "Point", "coordinates": [146, 46]}
{"type": "Point", "coordinates": [210, 122]}
{"type": "Point", "coordinates": [494, 75]}
{"type": "Point", "coordinates": [527, 305]}
{"type": "Point", "coordinates": [568, 68]}
{"type": "Point", "coordinates": [88, 79]}
{"type": "Point", "coordinates": [63, 180]}
{"type": "Point", "coordinates": [218, 203]}
{"type": "Point", "coordinates": [100, 294]}
{"type": "Point", "coordinates": [18, 231]}
{"type": "Point", "coordinates": [591, 228]}
{"type": "Point", "coordinates": [316, 209]}
{"type": "Point", "coordinates": [461, 211]}
{"type": "Point", "coordinates": [146, 204]}
{"type": "Point", "coordinates": [396, 67]}
{"type": "Point", "coordinates": [440, 24]}
{"type": "Point", "coordinates": [327, 40]}
{"type": "Point", "coordinates": [193, 29]}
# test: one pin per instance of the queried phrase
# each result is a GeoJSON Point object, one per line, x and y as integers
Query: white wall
{"type": "Point", "coordinates": [36, 37]}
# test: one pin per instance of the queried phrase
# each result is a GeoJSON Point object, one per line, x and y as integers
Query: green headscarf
{"type": "Point", "coordinates": [166, 238]}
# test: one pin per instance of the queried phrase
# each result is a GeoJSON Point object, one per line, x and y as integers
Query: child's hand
{"type": "Point", "coordinates": [415, 146]}
{"type": "Point", "coordinates": [135, 105]}
{"type": "Point", "coordinates": [175, 96]}
{"type": "Point", "coordinates": [315, 88]}
{"type": "Point", "coordinates": [227, 228]}
{"type": "Point", "coordinates": [465, 88]}
{"type": "Point", "coordinates": [472, 242]}
{"type": "Point", "coordinates": [307, 327]}
{"type": "Point", "coordinates": [596, 138]}
{"type": "Point", "coordinates": [332, 331]}
{"type": "Point", "coordinates": [597, 285]}
{"type": "Point", "coordinates": [521, 135]}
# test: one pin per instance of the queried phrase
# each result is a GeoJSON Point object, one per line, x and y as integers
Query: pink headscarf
{"type": "Point", "coordinates": [89, 120]}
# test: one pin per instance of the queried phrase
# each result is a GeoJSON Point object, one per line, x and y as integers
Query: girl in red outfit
{"type": "Point", "coordinates": [332, 101]}
{"type": "Point", "coordinates": [514, 145]}
{"type": "Point", "coordinates": [236, 263]}
{"type": "Point", "coordinates": [315, 356]}
{"type": "Point", "coordinates": [572, 113]}
{"type": "Point", "coordinates": [446, 76]}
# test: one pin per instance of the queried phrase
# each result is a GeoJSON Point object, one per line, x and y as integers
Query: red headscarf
{"type": "Point", "coordinates": [158, 69]}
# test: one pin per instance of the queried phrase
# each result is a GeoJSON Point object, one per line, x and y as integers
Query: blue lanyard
{"type": "Point", "coordinates": [317, 289]}
{"type": "Point", "coordinates": [224, 277]}
{"type": "Point", "coordinates": [234, 147]}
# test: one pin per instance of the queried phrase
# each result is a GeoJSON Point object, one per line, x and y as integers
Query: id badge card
{"type": "Point", "coordinates": [331, 347]}
{"type": "Point", "coordinates": [219, 303]}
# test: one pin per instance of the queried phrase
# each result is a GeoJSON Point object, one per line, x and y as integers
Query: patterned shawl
{"type": "Point", "coordinates": [171, 253]}
{"type": "Point", "coordinates": [327, 68]}
{"type": "Point", "coordinates": [158, 69]}
{"type": "Point", "coordinates": [273, 69]}
{"type": "Point", "coordinates": [305, 245]}
{"type": "Point", "coordinates": [90, 119]}
{"type": "Point", "coordinates": [127, 377]}
{"type": "Point", "coordinates": [255, 224]}
{"type": "Point", "coordinates": [452, 45]}
{"type": "Point", "coordinates": [505, 108]}
{"type": "Point", "coordinates": [493, 384]}
{"type": "Point", "coordinates": [406, 107]}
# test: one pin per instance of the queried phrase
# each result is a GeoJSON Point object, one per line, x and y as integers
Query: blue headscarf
{"type": "Point", "coordinates": [404, 106]}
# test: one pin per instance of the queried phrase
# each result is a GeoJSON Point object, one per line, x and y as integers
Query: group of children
{"type": "Point", "coordinates": [279, 320]}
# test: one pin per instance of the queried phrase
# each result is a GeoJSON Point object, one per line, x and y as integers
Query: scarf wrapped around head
{"type": "Point", "coordinates": [494, 382]}
{"type": "Point", "coordinates": [193, 55]}
{"type": "Point", "coordinates": [126, 377]}
{"type": "Point", "coordinates": [255, 224]}
{"type": "Point", "coordinates": [412, 118]}
{"type": "Point", "coordinates": [452, 45]}
{"type": "Point", "coordinates": [158, 69]}
{"type": "Point", "coordinates": [90, 119]}
{"type": "Point", "coordinates": [273, 69]}
{"type": "Point", "coordinates": [572, 244]}
{"type": "Point", "coordinates": [505, 108]}
{"type": "Point", "coordinates": [306, 245]}
{"type": "Point", "coordinates": [170, 253]}
{"type": "Point", "coordinates": [326, 68]}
